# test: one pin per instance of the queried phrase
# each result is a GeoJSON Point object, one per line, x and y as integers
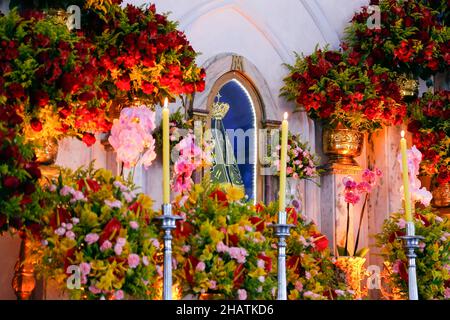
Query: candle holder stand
{"type": "Point", "coordinates": [168, 223]}
{"type": "Point", "coordinates": [411, 243]}
{"type": "Point", "coordinates": [282, 231]}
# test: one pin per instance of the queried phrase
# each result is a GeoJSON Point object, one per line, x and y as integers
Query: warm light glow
{"type": "Point", "coordinates": [403, 133]}
{"type": "Point", "coordinates": [285, 116]}
{"type": "Point", "coordinates": [166, 102]}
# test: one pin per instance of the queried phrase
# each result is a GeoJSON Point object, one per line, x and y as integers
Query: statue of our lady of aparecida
{"type": "Point", "coordinates": [224, 169]}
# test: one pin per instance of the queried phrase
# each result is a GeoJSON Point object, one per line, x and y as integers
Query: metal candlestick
{"type": "Point", "coordinates": [411, 243]}
{"type": "Point", "coordinates": [168, 224]}
{"type": "Point", "coordinates": [282, 231]}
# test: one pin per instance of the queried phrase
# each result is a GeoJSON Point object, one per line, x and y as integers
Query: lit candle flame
{"type": "Point", "coordinates": [285, 116]}
{"type": "Point", "coordinates": [166, 102]}
{"type": "Point", "coordinates": [403, 133]}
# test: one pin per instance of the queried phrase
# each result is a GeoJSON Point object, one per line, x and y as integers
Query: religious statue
{"type": "Point", "coordinates": [224, 169]}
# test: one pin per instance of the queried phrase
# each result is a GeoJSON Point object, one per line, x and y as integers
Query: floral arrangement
{"type": "Point", "coordinates": [101, 227]}
{"type": "Point", "coordinates": [49, 76]}
{"type": "Point", "coordinates": [412, 38]}
{"type": "Point", "coordinates": [432, 262]}
{"type": "Point", "coordinates": [142, 53]}
{"type": "Point", "coordinates": [131, 136]}
{"type": "Point", "coordinates": [301, 162]}
{"type": "Point", "coordinates": [219, 247]}
{"type": "Point", "coordinates": [418, 193]}
{"type": "Point", "coordinates": [339, 89]}
{"type": "Point", "coordinates": [20, 193]}
{"type": "Point", "coordinates": [429, 124]}
{"type": "Point", "coordinates": [353, 191]}
{"type": "Point", "coordinates": [311, 273]}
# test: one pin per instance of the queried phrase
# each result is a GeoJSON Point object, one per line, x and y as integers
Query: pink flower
{"type": "Point", "coordinates": [113, 204]}
{"type": "Point", "coordinates": [94, 290]}
{"type": "Point", "coordinates": [200, 266]}
{"type": "Point", "coordinates": [134, 225]}
{"type": "Point", "coordinates": [159, 271]}
{"type": "Point", "coordinates": [60, 231]}
{"type": "Point", "coordinates": [212, 284]}
{"type": "Point", "coordinates": [242, 294]}
{"type": "Point", "coordinates": [119, 295]}
{"type": "Point", "coordinates": [351, 197]}
{"type": "Point", "coordinates": [66, 190]}
{"type": "Point", "coordinates": [401, 223]}
{"type": "Point", "coordinates": [447, 293]}
{"type": "Point", "coordinates": [221, 247]}
{"type": "Point", "coordinates": [77, 196]}
{"type": "Point", "coordinates": [70, 235]}
{"type": "Point", "coordinates": [186, 248]}
{"type": "Point", "coordinates": [150, 154]}
{"type": "Point", "coordinates": [260, 263]}
{"type": "Point", "coordinates": [349, 183]}
{"type": "Point", "coordinates": [364, 187]}
{"type": "Point", "coordinates": [85, 268]}
{"type": "Point", "coordinates": [118, 249]}
{"type": "Point", "coordinates": [145, 260]}
{"type": "Point", "coordinates": [105, 245]}
{"type": "Point", "coordinates": [155, 243]}
{"type": "Point", "coordinates": [121, 241]}
{"type": "Point", "coordinates": [133, 260]}
{"type": "Point", "coordinates": [239, 254]}
{"type": "Point", "coordinates": [298, 286]}
{"type": "Point", "coordinates": [369, 177]}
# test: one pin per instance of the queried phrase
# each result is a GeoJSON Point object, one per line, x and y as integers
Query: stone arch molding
{"type": "Point", "coordinates": [220, 64]}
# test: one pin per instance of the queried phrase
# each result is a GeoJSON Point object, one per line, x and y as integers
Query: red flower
{"type": "Point", "coordinates": [11, 182]}
{"type": "Point", "coordinates": [402, 271]}
{"type": "Point", "coordinates": [36, 125]}
{"type": "Point", "coordinates": [404, 52]}
{"type": "Point", "coordinates": [219, 196]}
{"type": "Point", "coordinates": [110, 231]}
{"type": "Point", "coordinates": [69, 83]}
{"type": "Point", "coordinates": [16, 91]}
{"type": "Point", "coordinates": [86, 185]}
{"type": "Point", "coordinates": [40, 98]}
{"type": "Point", "coordinates": [88, 139]}
{"type": "Point", "coordinates": [258, 223]}
{"type": "Point", "coordinates": [267, 262]}
{"type": "Point", "coordinates": [396, 235]}
{"type": "Point", "coordinates": [238, 276]}
{"type": "Point", "coordinates": [33, 169]}
{"type": "Point", "coordinates": [189, 268]}
{"type": "Point", "coordinates": [148, 88]}
{"type": "Point", "coordinates": [123, 83]}
{"type": "Point", "coordinates": [320, 241]}
{"type": "Point", "coordinates": [69, 258]}
{"type": "Point", "coordinates": [183, 229]}
{"type": "Point", "coordinates": [61, 215]}
{"type": "Point", "coordinates": [292, 216]}
{"type": "Point", "coordinates": [422, 218]}
{"type": "Point", "coordinates": [294, 263]}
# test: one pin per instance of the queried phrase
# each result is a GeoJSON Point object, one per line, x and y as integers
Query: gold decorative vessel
{"type": "Point", "coordinates": [355, 272]}
{"type": "Point", "coordinates": [24, 281]}
{"type": "Point", "coordinates": [441, 196]}
{"type": "Point", "coordinates": [211, 296]}
{"type": "Point", "coordinates": [342, 145]}
{"type": "Point", "coordinates": [46, 151]}
{"type": "Point", "coordinates": [409, 87]}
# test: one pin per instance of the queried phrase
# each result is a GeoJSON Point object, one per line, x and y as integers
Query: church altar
{"type": "Point", "coordinates": [223, 105]}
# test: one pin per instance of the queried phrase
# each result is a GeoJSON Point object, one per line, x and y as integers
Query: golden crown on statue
{"type": "Point", "coordinates": [219, 109]}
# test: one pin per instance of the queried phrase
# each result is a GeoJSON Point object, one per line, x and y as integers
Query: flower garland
{"type": "Point", "coordinates": [49, 76]}
{"type": "Point", "coordinates": [100, 227]}
{"type": "Point", "coordinates": [433, 260]}
{"type": "Point", "coordinates": [412, 38]}
{"type": "Point", "coordinates": [218, 249]}
{"type": "Point", "coordinates": [339, 89]}
{"type": "Point", "coordinates": [429, 125]}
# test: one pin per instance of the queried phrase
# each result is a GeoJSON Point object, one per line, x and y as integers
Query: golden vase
{"type": "Point", "coordinates": [211, 296]}
{"type": "Point", "coordinates": [409, 87]}
{"type": "Point", "coordinates": [342, 145]}
{"type": "Point", "coordinates": [441, 196]}
{"type": "Point", "coordinates": [24, 281]}
{"type": "Point", "coordinates": [355, 273]}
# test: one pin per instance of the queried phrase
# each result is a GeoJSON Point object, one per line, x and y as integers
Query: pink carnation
{"type": "Point", "coordinates": [91, 238]}
{"type": "Point", "coordinates": [242, 294]}
{"type": "Point", "coordinates": [133, 260]}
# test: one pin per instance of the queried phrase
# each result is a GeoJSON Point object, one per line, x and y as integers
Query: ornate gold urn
{"type": "Point", "coordinates": [355, 272]}
{"type": "Point", "coordinates": [342, 145]}
{"type": "Point", "coordinates": [441, 196]}
{"type": "Point", "coordinates": [24, 282]}
{"type": "Point", "coordinates": [409, 87]}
